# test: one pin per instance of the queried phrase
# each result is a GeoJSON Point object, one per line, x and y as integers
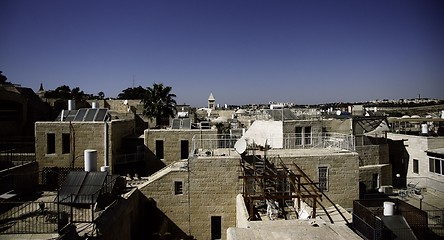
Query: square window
{"type": "Point", "coordinates": [178, 187]}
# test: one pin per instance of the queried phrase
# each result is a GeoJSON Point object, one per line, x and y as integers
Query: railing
{"type": "Point", "coordinates": [29, 217]}
{"type": "Point", "coordinates": [321, 140]}
{"type": "Point", "coordinates": [367, 220]}
{"type": "Point", "coordinates": [212, 144]}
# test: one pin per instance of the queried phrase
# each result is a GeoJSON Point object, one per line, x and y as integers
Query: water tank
{"type": "Point", "coordinates": [389, 208]}
{"type": "Point", "coordinates": [105, 169]}
{"type": "Point", "coordinates": [90, 160]}
{"type": "Point", "coordinates": [424, 129]}
{"type": "Point", "coordinates": [442, 114]}
{"type": "Point", "coordinates": [71, 105]}
{"type": "Point", "coordinates": [94, 105]}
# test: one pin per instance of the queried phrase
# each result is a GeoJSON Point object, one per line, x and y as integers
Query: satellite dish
{"type": "Point", "coordinates": [240, 146]}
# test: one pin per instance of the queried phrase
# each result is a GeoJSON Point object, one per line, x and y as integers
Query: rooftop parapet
{"type": "Point", "coordinates": [224, 144]}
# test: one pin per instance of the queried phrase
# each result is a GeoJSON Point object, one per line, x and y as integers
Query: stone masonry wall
{"type": "Point", "coordinates": [416, 147]}
{"type": "Point", "coordinates": [118, 130]}
{"type": "Point", "coordinates": [86, 135]}
{"type": "Point", "coordinates": [172, 141]}
{"type": "Point", "coordinates": [210, 191]}
{"type": "Point", "coordinates": [212, 184]}
{"type": "Point", "coordinates": [373, 154]}
{"type": "Point", "coordinates": [343, 175]}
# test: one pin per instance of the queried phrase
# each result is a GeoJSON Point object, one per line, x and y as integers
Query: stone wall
{"type": "Point", "coordinates": [373, 154]}
{"type": "Point", "coordinates": [211, 186]}
{"type": "Point", "coordinates": [209, 189]}
{"type": "Point", "coordinates": [118, 130]}
{"type": "Point", "coordinates": [343, 174]}
{"type": "Point", "coordinates": [20, 178]}
{"type": "Point", "coordinates": [84, 135]}
{"type": "Point", "coordinates": [384, 172]}
{"type": "Point", "coordinates": [171, 142]}
{"type": "Point", "coordinates": [124, 219]}
{"type": "Point", "coordinates": [416, 147]}
{"type": "Point", "coordinates": [290, 126]}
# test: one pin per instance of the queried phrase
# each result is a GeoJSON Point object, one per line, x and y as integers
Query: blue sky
{"type": "Point", "coordinates": [299, 51]}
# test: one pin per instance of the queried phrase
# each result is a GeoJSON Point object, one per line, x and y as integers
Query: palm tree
{"type": "Point", "coordinates": [159, 103]}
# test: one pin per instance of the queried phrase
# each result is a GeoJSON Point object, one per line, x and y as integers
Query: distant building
{"type": "Point", "coordinates": [20, 108]}
{"type": "Point", "coordinates": [211, 102]}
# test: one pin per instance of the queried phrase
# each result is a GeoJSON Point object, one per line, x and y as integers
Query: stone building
{"type": "Point", "coordinates": [375, 168]}
{"type": "Point", "coordinates": [418, 160]}
{"type": "Point", "coordinates": [198, 193]}
{"type": "Point", "coordinates": [61, 143]}
{"type": "Point", "coordinates": [20, 108]}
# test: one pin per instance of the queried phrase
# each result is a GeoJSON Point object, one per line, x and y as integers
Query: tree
{"type": "Point", "coordinates": [101, 95]}
{"type": "Point", "coordinates": [65, 92]}
{"type": "Point", "coordinates": [133, 93]}
{"type": "Point", "coordinates": [3, 78]}
{"type": "Point", "coordinates": [159, 102]}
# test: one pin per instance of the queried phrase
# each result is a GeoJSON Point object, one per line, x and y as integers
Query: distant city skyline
{"type": "Point", "coordinates": [304, 52]}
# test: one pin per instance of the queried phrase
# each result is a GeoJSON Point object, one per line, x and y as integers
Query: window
{"type": "Point", "coordinates": [436, 165]}
{"type": "Point", "coordinates": [178, 187]}
{"type": "Point", "coordinates": [298, 131]}
{"type": "Point", "coordinates": [66, 143]}
{"type": "Point", "coordinates": [415, 166]}
{"type": "Point", "coordinates": [375, 181]}
{"type": "Point", "coordinates": [184, 149]}
{"type": "Point", "coordinates": [159, 149]}
{"type": "Point", "coordinates": [307, 135]}
{"type": "Point", "coordinates": [323, 178]}
{"type": "Point", "coordinates": [216, 227]}
{"type": "Point", "coordinates": [50, 143]}
{"type": "Point", "coordinates": [303, 135]}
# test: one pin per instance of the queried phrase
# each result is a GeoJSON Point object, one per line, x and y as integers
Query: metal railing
{"type": "Point", "coordinates": [367, 220]}
{"type": "Point", "coordinates": [29, 217]}
{"type": "Point", "coordinates": [50, 216]}
{"type": "Point", "coordinates": [211, 144]}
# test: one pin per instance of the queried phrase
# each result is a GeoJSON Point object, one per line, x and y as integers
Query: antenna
{"type": "Point", "coordinates": [134, 79]}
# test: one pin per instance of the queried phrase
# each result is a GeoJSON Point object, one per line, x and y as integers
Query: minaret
{"type": "Point", "coordinates": [211, 102]}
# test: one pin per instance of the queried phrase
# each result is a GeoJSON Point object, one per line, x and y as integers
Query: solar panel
{"type": "Point", "coordinates": [89, 191]}
{"type": "Point", "coordinates": [101, 114]}
{"type": "Point", "coordinates": [80, 115]}
{"type": "Point", "coordinates": [176, 124]}
{"type": "Point", "coordinates": [71, 186]}
{"type": "Point", "coordinates": [70, 115]}
{"type": "Point", "coordinates": [186, 123]}
{"type": "Point", "coordinates": [90, 114]}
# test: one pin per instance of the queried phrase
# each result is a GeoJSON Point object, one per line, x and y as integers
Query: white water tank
{"type": "Point", "coordinates": [424, 129]}
{"type": "Point", "coordinates": [71, 105]}
{"type": "Point", "coordinates": [442, 114]}
{"type": "Point", "coordinates": [90, 160]}
{"type": "Point", "coordinates": [389, 208]}
{"type": "Point", "coordinates": [94, 105]}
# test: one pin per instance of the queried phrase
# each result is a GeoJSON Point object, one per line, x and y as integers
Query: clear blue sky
{"type": "Point", "coordinates": [301, 51]}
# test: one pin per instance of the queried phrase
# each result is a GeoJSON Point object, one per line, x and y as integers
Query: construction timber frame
{"type": "Point", "coordinates": [264, 181]}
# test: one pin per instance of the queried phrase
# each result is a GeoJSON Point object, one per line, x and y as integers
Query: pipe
{"type": "Point", "coordinates": [105, 144]}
